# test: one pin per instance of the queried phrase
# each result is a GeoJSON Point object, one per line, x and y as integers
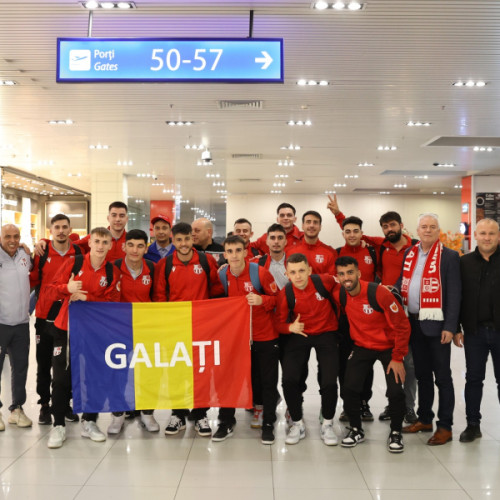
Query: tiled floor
{"type": "Point", "coordinates": [139, 465]}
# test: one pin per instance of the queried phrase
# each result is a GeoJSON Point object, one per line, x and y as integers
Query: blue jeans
{"type": "Point", "coordinates": [477, 347]}
{"type": "Point", "coordinates": [432, 363]}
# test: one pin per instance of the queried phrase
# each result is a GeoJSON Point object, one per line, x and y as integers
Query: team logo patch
{"type": "Point", "coordinates": [430, 285]}
{"type": "Point", "coordinates": [367, 309]}
{"type": "Point", "coordinates": [37, 337]}
{"type": "Point", "coordinates": [274, 287]}
{"type": "Point", "coordinates": [103, 281]}
{"type": "Point", "coordinates": [146, 280]}
{"type": "Point", "coordinates": [394, 307]}
{"type": "Point", "coordinates": [368, 259]}
{"type": "Point", "coordinates": [24, 262]}
{"type": "Point", "coordinates": [320, 259]}
{"type": "Point", "coordinates": [248, 286]}
{"type": "Point", "coordinates": [80, 273]}
{"type": "Point", "coordinates": [318, 296]}
{"type": "Point", "coordinates": [119, 285]}
{"type": "Point", "coordinates": [49, 259]}
{"type": "Point", "coordinates": [197, 269]}
{"type": "Point", "coordinates": [57, 351]}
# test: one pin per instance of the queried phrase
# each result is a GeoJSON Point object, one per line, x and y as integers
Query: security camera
{"type": "Point", "coordinates": [206, 156]}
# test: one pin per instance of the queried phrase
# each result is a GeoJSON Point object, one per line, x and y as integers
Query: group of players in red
{"type": "Point", "coordinates": [304, 294]}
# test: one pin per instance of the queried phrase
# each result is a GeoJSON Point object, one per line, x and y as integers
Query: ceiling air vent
{"type": "Point", "coordinates": [249, 180]}
{"type": "Point", "coordinates": [240, 104]}
{"type": "Point", "coordinates": [246, 156]}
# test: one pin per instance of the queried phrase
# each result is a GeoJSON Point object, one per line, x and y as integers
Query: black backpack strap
{"type": "Point", "coordinates": [43, 259]}
{"type": "Point", "coordinates": [373, 255]}
{"type": "Point", "coordinates": [205, 265]}
{"type": "Point", "coordinates": [372, 297]}
{"type": "Point", "coordinates": [263, 260]}
{"type": "Point", "coordinates": [320, 288]}
{"type": "Point", "coordinates": [338, 250]}
{"type": "Point", "coordinates": [77, 265]}
{"type": "Point", "coordinates": [78, 250]}
{"type": "Point", "coordinates": [118, 263]}
{"type": "Point", "coordinates": [290, 300]}
{"type": "Point", "coordinates": [109, 273]}
{"type": "Point", "coordinates": [254, 251]}
{"type": "Point", "coordinates": [169, 261]}
{"type": "Point", "coordinates": [151, 267]}
{"type": "Point", "coordinates": [342, 297]}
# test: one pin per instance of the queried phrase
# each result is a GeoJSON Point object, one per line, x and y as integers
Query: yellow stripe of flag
{"type": "Point", "coordinates": [169, 336]}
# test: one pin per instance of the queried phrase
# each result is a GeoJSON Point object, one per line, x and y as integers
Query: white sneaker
{"type": "Point", "coordinates": [328, 435]}
{"type": "Point", "coordinates": [90, 430]}
{"type": "Point", "coordinates": [296, 433]}
{"type": "Point", "coordinates": [116, 425]}
{"type": "Point", "coordinates": [2, 425]}
{"type": "Point", "coordinates": [149, 423]}
{"type": "Point", "coordinates": [19, 418]}
{"type": "Point", "coordinates": [258, 413]}
{"type": "Point", "coordinates": [57, 436]}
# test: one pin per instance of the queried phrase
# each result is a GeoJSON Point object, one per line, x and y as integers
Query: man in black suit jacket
{"type": "Point", "coordinates": [480, 318]}
{"type": "Point", "coordinates": [431, 289]}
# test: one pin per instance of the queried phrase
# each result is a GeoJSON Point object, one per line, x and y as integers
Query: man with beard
{"type": "Point", "coordinates": [390, 252]}
{"type": "Point", "coordinates": [162, 246]}
{"type": "Point", "coordinates": [321, 257]}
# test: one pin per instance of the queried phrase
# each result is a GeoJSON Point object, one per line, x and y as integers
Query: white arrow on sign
{"type": "Point", "coordinates": [266, 60]}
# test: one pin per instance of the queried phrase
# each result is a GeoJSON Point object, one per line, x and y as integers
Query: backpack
{"type": "Point", "coordinates": [253, 268]}
{"type": "Point", "coordinates": [169, 264]}
{"type": "Point", "coordinates": [77, 266]}
{"type": "Point", "coordinates": [151, 266]}
{"type": "Point", "coordinates": [372, 297]}
{"type": "Point", "coordinates": [320, 288]}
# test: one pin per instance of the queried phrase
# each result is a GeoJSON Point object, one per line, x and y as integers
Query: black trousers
{"type": "Point", "coordinates": [197, 413]}
{"type": "Point", "coordinates": [61, 371]}
{"type": "Point", "coordinates": [296, 357]}
{"type": "Point", "coordinates": [345, 347]}
{"type": "Point", "coordinates": [360, 362]}
{"type": "Point", "coordinates": [44, 348]}
{"type": "Point", "coordinates": [265, 361]}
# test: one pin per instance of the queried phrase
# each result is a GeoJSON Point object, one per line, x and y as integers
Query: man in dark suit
{"type": "Point", "coordinates": [431, 289]}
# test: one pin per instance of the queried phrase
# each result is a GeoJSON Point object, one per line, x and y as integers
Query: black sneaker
{"type": "Point", "coordinates": [471, 432]}
{"type": "Point", "coordinates": [410, 416]}
{"type": "Point", "coordinates": [267, 434]}
{"type": "Point", "coordinates": [366, 414]}
{"type": "Point", "coordinates": [45, 417]}
{"type": "Point", "coordinates": [343, 417]}
{"type": "Point", "coordinates": [175, 424]}
{"type": "Point", "coordinates": [385, 414]}
{"type": "Point", "coordinates": [223, 432]}
{"type": "Point", "coordinates": [354, 437]}
{"type": "Point", "coordinates": [132, 414]}
{"type": "Point", "coordinates": [395, 442]}
{"type": "Point", "coordinates": [69, 416]}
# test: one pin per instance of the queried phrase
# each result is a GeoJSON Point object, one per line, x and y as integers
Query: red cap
{"type": "Point", "coordinates": [164, 218]}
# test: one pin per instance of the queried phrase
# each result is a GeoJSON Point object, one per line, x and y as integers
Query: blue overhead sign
{"type": "Point", "coordinates": [169, 60]}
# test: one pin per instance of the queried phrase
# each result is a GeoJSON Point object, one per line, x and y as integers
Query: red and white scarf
{"type": "Point", "coordinates": [431, 299]}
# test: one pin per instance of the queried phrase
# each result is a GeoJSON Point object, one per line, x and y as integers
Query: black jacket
{"type": "Point", "coordinates": [470, 270]}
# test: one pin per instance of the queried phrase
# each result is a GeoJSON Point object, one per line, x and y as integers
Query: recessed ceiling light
{"type": "Point", "coordinates": [469, 83]}
{"type": "Point", "coordinates": [366, 164]}
{"type": "Point", "coordinates": [212, 176]}
{"type": "Point", "coordinates": [313, 83]}
{"type": "Point", "coordinates": [299, 123]}
{"type": "Point", "coordinates": [275, 191]}
{"type": "Point", "coordinates": [93, 5]}
{"type": "Point", "coordinates": [286, 163]}
{"type": "Point", "coordinates": [281, 176]}
{"type": "Point", "coordinates": [384, 192]}
{"type": "Point", "coordinates": [99, 146]}
{"type": "Point", "coordinates": [352, 5]}
{"type": "Point", "coordinates": [124, 163]}
{"type": "Point", "coordinates": [421, 177]}
{"type": "Point", "coordinates": [61, 122]}
{"type": "Point", "coordinates": [418, 124]}
{"type": "Point", "coordinates": [330, 192]}
{"type": "Point", "coordinates": [8, 82]}
{"type": "Point", "coordinates": [444, 165]}
{"type": "Point", "coordinates": [351, 176]}
{"type": "Point", "coordinates": [291, 147]}
{"type": "Point", "coordinates": [218, 184]}
{"type": "Point", "coordinates": [194, 147]}
{"type": "Point", "coordinates": [340, 185]}
{"type": "Point", "coordinates": [387, 148]}
{"type": "Point", "coordinates": [179, 123]}
{"type": "Point", "coordinates": [481, 149]}
{"type": "Point", "coordinates": [400, 186]}
{"type": "Point", "coordinates": [458, 186]}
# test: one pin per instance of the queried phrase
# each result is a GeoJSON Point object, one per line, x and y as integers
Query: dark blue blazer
{"type": "Point", "coordinates": [451, 293]}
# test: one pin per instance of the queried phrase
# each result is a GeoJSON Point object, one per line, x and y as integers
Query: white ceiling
{"type": "Point", "coordinates": [390, 63]}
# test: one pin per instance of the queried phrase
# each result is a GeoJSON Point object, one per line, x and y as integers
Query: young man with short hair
{"type": "Point", "coordinates": [243, 229]}
{"type": "Point", "coordinates": [88, 278]}
{"type": "Point", "coordinates": [136, 285]}
{"type": "Point", "coordinates": [377, 335]}
{"type": "Point", "coordinates": [186, 275]}
{"type": "Point", "coordinates": [321, 257]}
{"type": "Point", "coordinates": [310, 320]}
{"type": "Point", "coordinates": [58, 251]}
{"type": "Point", "coordinates": [240, 280]}
{"type": "Point", "coordinates": [162, 246]}
{"type": "Point", "coordinates": [286, 216]}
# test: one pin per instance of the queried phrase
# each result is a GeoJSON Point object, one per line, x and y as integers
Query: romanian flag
{"type": "Point", "coordinates": [170, 355]}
